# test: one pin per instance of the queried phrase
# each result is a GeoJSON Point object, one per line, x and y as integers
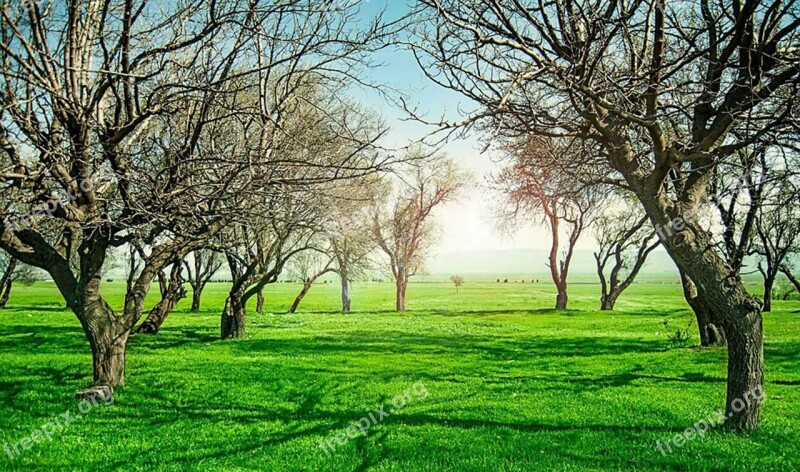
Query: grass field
{"type": "Point", "coordinates": [511, 384]}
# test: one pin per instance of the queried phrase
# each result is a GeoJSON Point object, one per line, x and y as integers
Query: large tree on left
{"type": "Point", "coordinates": [107, 109]}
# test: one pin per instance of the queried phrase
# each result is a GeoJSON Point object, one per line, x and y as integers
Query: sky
{"type": "Point", "coordinates": [468, 223]}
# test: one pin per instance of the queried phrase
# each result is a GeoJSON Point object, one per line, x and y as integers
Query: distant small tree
{"type": "Point", "coordinates": [204, 265]}
{"type": "Point", "coordinates": [624, 241]}
{"type": "Point", "coordinates": [533, 186]}
{"type": "Point", "coordinates": [14, 271]}
{"type": "Point", "coordinates": [405, 230]}
{"type": "Point", "coordinates": [306, 267]}
{"type": "Point", "coordinates": [458, 281]}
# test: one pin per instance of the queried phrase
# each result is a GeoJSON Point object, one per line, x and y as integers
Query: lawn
{"type": "Point", "coordinates": [495, 381]}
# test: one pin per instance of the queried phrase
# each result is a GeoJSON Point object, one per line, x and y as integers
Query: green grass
{"type": "Point", "coordinates": [512, 384]}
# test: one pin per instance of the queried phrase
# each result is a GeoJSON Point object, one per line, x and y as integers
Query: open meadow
{"type": "Point", "coordinates": [489, 378]}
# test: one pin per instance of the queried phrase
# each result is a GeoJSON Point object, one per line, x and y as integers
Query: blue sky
{"type": "Point", "coordinates": [467, 224]}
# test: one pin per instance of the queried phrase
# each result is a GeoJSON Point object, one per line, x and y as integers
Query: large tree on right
{"type": "Point", "coordinates": [669, 91]}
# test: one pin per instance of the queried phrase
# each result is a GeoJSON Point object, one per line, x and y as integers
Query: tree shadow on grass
{"type": "Point", "coordinates": [49, 307]}
{"type": "Point", "coordinates": [486, 346]}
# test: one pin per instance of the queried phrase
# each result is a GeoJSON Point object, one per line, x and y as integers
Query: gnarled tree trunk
{"type": "Point", "coordinates": [723, 291]}
{"type": "Point", "coordinates": [608, 300]}
{"type": "Point", "coordinates": [171, 293]}
{"type": "Point", "coordinates": [711, 332]}
{"type": "Point", "coordinates": [107, 334]}
{"type": "Point", "coordinates": [232, 323]}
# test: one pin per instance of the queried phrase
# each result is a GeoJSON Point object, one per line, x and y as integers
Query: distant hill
{"type": "Point", "coordinates": [532, 261]}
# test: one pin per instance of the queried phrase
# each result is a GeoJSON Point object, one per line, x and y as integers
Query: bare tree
{"type": "Point", "coordinates": [205, 263]}
{"type": "Point", "coordinates": [778, 227]}
{"type": "Point", "coordinates": [172, 291]}
{"type": "Point", "coordinates": [122, 122]}
{"type": "Point", "coordinates": [404, 229]}
{"type": "Point", "coordinates": [787, 271]}
{"type": "Point", "coordinates": [350, 235]}
{"type": "Point", "coordinates": [667, 90]}
{"type": "Point", "coordinates": [533, 188]}
{"type": "Point", "coordinates": [91, 91]}
{"type": "Point", "coordinates": [12, 272]}
{"type": "Point", "coordinates": [307, 267]}
{"type": "Point", "coordinates": [257, 253]}
{"type": "Point", "coordinates": [625, 239]}
{"type": "Point", "coordinates": [458, 281]}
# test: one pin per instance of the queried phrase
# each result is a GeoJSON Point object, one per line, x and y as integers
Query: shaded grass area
{"type": "Point", "coordinates": [513, 384]}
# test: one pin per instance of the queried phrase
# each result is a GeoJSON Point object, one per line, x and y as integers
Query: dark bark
{"type": "Point", "coordinates": [172, 292]}
{"type": "Point", "coordinates": [769, 282]}
{"type": "Point", "coordinates": [6, 281]}
{"type": "Point", "coordinates": [197, 292]}
{"type": "Point", "coordinates": [745, 370]}
{"type": "Point", "coordinates": [615, 248]}
{"type": "Point", "coordinates": [206, 263]}
{"type": "Point", "coordinates": [306, 287]}
{"type": "Point", "coordinates": [233, 317]}
{"type": "Point", "coordinates": [729, 303]}
{"type": "Point", "coordinates": [107, 334]}
{"type": "Point", "coordinates": [607, 300]}
{"type": "Point", "coordinates": [711, 332]}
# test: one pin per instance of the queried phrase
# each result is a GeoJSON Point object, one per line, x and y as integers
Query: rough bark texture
{"type": "Point", "coordinates": [561, 298]}
{"type": "Point", "coordinates": [233, 317]}
{"type": "Point", "coordinates": [108, 335]}
{"type": "Point", "coordinates": [711, 333]}
{"type": "Point", "coordinates": [171, 293]}
{"type": "Point", "coordinates": [734, 308]}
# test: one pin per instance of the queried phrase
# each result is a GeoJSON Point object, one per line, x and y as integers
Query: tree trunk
{"type": "Point", "coordinates": [769, 282]}
{"type": "Point", "coordinates": [233, 317]}
{"type": "Point", "coordinates": [6, 281]}
{"type": "Point", "coordinates": [721, 289]}
{"type": "Point", "coordinates": [301, 295]}
{"type": "Point", "coordinates": [345, 294]}
{"type": "Point", "coordinates": [561, 299]}
{"type": "Point", "coordinates": [306, 287]}
{"type": "Point", "coordinates": [711, 332]}
{"type": "Point", "coordinates": [6, 293]}
{"type": "Point", "coordinates": [171, 294]}
{"type": "Point", "coordinates": [745, 371]}
{"type": "Point", "coordinates": [197, 292]}
{"type": "Point", "coordinates": [107, 339]}
{"type": "Point", "coordinates": [608, 301]}
{"type": "Point", "coordinates": [260, 301]}
{"type": "Point", "coordinates": [788, 273]}
{"type": "Point", "coordinates": [400, 295]}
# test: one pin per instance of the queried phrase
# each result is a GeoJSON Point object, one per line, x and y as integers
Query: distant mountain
{"type": "Point", "coordinates": [532, 261]}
